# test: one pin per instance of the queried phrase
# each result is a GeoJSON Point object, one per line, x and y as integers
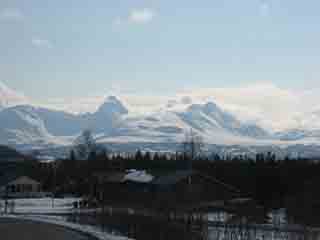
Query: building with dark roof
{"type": "Point", "coordinates": [19, 186]}
{"type": "Point", "coordinates": [172, 178]}
{"type": "Point", "coordinates": [183, 188]}
{"type": "Point", "coordinates": [188, 188]}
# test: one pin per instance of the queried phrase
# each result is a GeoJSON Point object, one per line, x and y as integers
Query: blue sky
{"type": "Point", "coordinates": [57, 49]}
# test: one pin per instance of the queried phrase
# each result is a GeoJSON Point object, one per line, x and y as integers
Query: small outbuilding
{"type": "Point", "coordinates": [15, 186]}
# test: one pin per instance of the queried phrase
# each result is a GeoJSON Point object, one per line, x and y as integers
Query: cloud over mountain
{"type": "Point", "coordinates": [264, 104]}
{"type": "Point", "coordinates": [9, 97]}
{"type": "Point", "coordinates": [137, 16]}
{"type": "Point", "coordinates": [133, 119]}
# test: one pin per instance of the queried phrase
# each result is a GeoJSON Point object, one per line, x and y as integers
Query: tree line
{"type": "Point", "coordinates": [273, 183]}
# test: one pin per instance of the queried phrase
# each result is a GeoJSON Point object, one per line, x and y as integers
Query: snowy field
{"type": "Point", "coordinates": [42, 205]}
{"type": "Point", "coordinates": [41, 210]}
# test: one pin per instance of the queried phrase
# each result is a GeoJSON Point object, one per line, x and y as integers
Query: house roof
{"type": "Point", "coordinates": [173, 178]}
{"type": "Point", "coordinates": [116, 177]}
{"type": "Point", "coordinates": [183, 174]}
{"type": "Point", "coordinates": [120, 177]}
{"type": "Point", "coordinates": [226, 186]}
{"type": "Point", "coordinates": [138, 176]}
{"type": "Point", "coordinates": [15, 179]}
{"type": "Point", "coordinates": [24, 180]}
{"type": "Point", "coordinates": [112, 177]}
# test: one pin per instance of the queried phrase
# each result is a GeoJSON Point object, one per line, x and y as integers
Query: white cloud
{"type": "Point", "coordinates": [11, 14]}
{"type": "Point", "coordinates": [264, 8]}
{"type": "Point", "coordinates": [139, 16]}
{"type": "Point", "coordinates": [186, 100]}
{"type": "Point", "coordinates": [266, 104]}
{"type": "Point", "coordinates": [136, 16]}
{"type": "Point", "coordinates": [74, 105]}
{"type": "Point", "coordinates": [39, 42]}
{"type": "Point", "coordinates": [10, 97]}
{"type": "Point", "coordinates": [117, 21]}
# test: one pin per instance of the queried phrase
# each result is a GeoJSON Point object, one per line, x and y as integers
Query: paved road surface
{"type": "Point", "coordinates": [13, 229]}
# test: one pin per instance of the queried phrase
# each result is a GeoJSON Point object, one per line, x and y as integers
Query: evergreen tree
{"type": "Point", "coordinates": [138, 155]}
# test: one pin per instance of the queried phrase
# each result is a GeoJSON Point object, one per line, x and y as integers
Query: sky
{"type": "Point", "coordinates": [53, 50]}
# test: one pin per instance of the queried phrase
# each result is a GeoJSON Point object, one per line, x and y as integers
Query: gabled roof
{"type": "Point", "coordinates": [23, 180]}
{"type": "Point", "coordinates": [111, 177]}
{"type": "Point", "coordinates": [226, 186]}
{"type": "Point", "coordinates": [138, 176]}
{"type": "Point", "coordinates": [173, 178]}
{"type": "Point", "coordinates": [116, 177]}
{"type": "Point", "coordinates": [13, 177]}
{"type": "Point", "coordinates": [178, 176]}
{"type": "Point", "coordinates": [120, 177]}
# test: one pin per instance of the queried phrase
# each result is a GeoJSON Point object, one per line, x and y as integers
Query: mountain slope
{"type": "Point", "coordinates": [108, 117]}
{"type": "Point", "coordinates": [112, 122]}
{"type": "Point", "coordinates": [298, 134]}
{"type": "Point", "coordinates": [25, 124]}
{"type": "Point", "coordinates": [210, 117]}
{"type": "Point", "coordinates": [21, 124]}
{"type": "Point", "coordinates": [60, 123]}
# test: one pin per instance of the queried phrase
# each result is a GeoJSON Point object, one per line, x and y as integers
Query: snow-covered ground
{"type": "Point", "coordinates": [43, 205]}
{"type": "Point", "coordinates": [41, 210]}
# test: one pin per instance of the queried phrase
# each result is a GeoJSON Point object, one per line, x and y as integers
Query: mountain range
{"type": "Point", "coordinates": [26, 126]}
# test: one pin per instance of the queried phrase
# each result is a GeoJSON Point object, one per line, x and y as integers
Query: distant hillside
{"type": "Point", "coordinates": [9, 154]}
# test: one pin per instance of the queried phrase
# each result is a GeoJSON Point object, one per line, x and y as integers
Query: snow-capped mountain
{"type": "Point", "coordinates": [60, 123]}
{"type": "Point", "coordinates": [113, 122]}
{"type": "Point", "coordinates": [25, 126]}
{"type": "Point", "coordinates": [22, 124]}
{"type": "Point", "coordinates": [108, 117]}
{"type": "Point", "coordinates": [211, 117]}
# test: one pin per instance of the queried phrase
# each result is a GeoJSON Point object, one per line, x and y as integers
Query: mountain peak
{"type": "Point", "coordinates": [112, 105]}
{"type": "Point", "coordinates": [209, 107]}
{"type": "Point", "coordinates": [112, 99]}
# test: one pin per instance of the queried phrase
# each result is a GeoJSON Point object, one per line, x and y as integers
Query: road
{"type": "Point", "coordinates": [13, 229]}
